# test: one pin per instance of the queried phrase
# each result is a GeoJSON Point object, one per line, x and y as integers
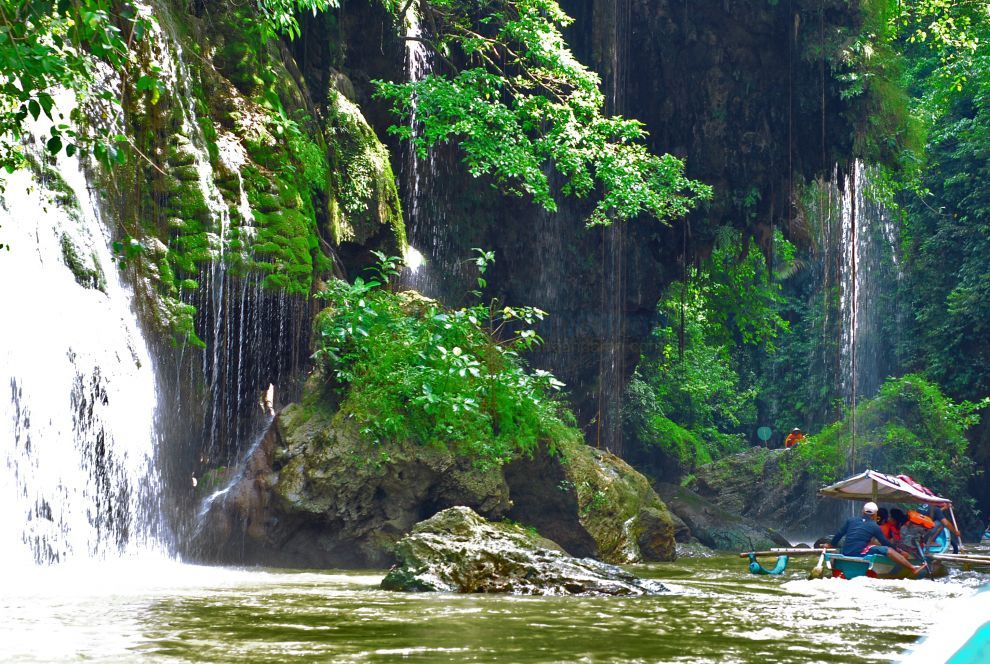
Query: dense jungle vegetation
{"type": "Point", "coordinates": [739, 338]}
{"type": "Point", "coordinates": [744, 342]}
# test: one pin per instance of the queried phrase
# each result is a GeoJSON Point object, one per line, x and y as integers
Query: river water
{"type": "Point", "coordinates": [166, 611]}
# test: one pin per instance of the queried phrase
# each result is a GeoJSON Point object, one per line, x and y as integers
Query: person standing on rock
{"type": "Point", "coordinates": [859, 533]}
{"type": "Point", "coordinates": [793, 438]}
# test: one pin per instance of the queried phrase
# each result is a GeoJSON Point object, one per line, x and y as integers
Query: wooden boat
{"type": "Point", "coordinates": [871, 485]}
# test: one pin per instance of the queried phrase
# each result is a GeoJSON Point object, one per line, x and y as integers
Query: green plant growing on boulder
{"type": "Point", "coordinates": [408, 369]}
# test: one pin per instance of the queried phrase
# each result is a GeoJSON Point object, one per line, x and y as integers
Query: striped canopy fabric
{"type": "Point", "coordinates": [872, 485]}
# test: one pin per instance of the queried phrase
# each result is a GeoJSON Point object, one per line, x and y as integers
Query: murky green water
{"type": "Point", "coordinates": [717, 612]}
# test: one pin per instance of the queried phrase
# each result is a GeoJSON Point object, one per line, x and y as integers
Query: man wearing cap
{"type": "Point", "coordinates": [859, 533]}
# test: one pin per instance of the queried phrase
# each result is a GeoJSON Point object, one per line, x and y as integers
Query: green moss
{"type": "Point", "coordinates": [87, 273]}
{"type": "Point", "coordinates": [363, 181]}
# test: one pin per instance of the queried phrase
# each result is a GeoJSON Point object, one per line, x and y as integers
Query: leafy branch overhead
{"type": "Point", "coordinates": [47, 46]}
{"type": "Point", "coordinates": [516, 100]}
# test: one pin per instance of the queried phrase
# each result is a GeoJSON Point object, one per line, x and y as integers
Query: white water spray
{"type": "Point", "coordinates": [77, 386]}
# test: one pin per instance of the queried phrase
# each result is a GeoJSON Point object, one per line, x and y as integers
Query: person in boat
{"type": "Point", "coordinates": [891, 524]}
{"type": "Point", "coordinates": [857, 535]}
{"type": "Point", "coordinates": [793, 438]}
{"type": "Point", "coordinates": [940, 521]}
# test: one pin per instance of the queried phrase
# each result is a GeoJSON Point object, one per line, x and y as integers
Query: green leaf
{"type": "Point", "coordinates": [54, 145]}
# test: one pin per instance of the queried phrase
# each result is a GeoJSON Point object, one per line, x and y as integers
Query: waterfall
{"type": "Point", "coordinates": [79, 396]}
{"type": "Point", "coordinates": [868, 274]}
{"type": "Point", "coordinates": [612, 371]}
{"type": "Point", "coordinates": [256, 337]}
{"type": "Point", "coordinates": [104, 433]}
{"type": "Point", "coordinates": [430, 259]}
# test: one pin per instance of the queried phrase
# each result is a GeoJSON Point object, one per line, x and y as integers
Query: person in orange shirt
{"type": "Point", "coordinates": [891, 525]}
{"type": "Point", "coordinates": [793, 438]}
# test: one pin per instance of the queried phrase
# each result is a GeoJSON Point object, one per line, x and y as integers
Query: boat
{"type": "Point", "coordinates": [871, 485]}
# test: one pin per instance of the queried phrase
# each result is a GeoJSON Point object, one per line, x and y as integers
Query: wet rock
{"type": "Point", "coordinates": [770, 487]}
{"type": "Point", "coordinates": [458, 551]}
{"type": "Point", "coordinates": [315, 494]}
{"type": "Point", "coordinates": [716, 527]}
{"type": "Point", "coordinates": [591, 502]}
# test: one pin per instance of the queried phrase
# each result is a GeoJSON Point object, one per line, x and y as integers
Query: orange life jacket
{"type": "Point", "coordinates": [920, 519]}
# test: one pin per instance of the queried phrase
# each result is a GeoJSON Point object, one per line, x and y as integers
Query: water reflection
{"type": "Point", "coordinates": [717, 612]}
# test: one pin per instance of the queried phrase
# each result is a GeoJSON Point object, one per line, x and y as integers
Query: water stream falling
{"type": "Point", "coordinates": [868, 276]}
{"type": "Point", "coordinates": [79, 396]}
{"type": "Point", "coordinates": [428, 255]}
{"type": "Point", "coordinates": [102, 432]}
{"type": "Point", "coordinates": [612, 371]}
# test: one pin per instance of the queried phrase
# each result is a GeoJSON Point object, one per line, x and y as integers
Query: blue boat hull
{"type": "Point", "coordinates": [882, 567]}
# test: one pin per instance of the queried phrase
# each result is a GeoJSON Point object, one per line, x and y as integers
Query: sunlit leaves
{"type": "Point", "coordinates": [411, 370]}
{"type": "Point", "coordinates": [48, 45]}
{"type": "Point", "coordinates": [520, 105]}
{"type": "Point", "coordinates": [280, 15]}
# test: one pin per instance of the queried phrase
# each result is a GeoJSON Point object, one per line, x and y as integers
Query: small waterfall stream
{"type": "Point", "coordinates": [427, 256]}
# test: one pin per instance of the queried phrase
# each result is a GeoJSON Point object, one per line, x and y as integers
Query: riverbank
{"type": "Point", "coordinates": [716, 612]}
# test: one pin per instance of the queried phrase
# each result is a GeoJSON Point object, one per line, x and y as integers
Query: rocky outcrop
{"type": "Point", "coordinates": [592, 503]}
{"type": "Point", "coordinates": [314, 494]}
{"type": "Point", "coordinates": [458, 551]}
{"type": "Point", "coordinates": [715, 527]}
{"type": "Point", "coordinates": [770, 488]}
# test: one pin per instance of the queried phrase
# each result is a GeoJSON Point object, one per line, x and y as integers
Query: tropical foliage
{"type": "Point", "coordinates": [693, 398]}
{"type": "Point", "coordinates": [911, 426]}
{"type": "Point", "coordinates": [515, 98]}
{"type": "Point", "coordinates": [409, 369]}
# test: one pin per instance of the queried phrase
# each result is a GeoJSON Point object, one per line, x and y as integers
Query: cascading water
{"type": "Point", "coordinates": [79, 401]}
{"type": "Point", "coordinates": [87, 406]}
{"type": "Point", "coordinates": [428, 258]}
{"type": "Point", "coordinates": [256, 337]}
{"type": "Point", "coordinates": [868, 274]}
{"type": "Point", "coordinates": [612, 369]}
{"type": "Point", "coordinates": [869, 270]}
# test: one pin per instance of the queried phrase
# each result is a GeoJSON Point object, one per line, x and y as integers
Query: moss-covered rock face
{"type": "Point", "coordinates": [716, 527]}
{"type": "Point", "coordinates": [458, 551]}
{"type": "Point", "coordinates": [314, 493]}
{"type": "Point", "coordinates": [765, 486]}
{"type": "Point", "coordinates": [364, 183]}
{"type": "Point", "coordinates": [85, 269]}
{"type": "Point", "coordinates": [239, 165]}
{"type": "Point", "coordinates": [592, 503]}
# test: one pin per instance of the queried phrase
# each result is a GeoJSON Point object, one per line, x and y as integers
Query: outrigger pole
{"type": "Point", "coordinates": [785, 552]}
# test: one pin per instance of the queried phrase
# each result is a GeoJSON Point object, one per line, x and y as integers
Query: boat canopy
{"type": "Point", "coordinates": [871, 485]}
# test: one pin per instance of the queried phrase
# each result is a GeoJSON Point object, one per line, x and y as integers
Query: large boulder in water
{"type": "Point", "coordinates": [315, 494]}
{"type": "Point", "coordinates": [775, 488]}
{"type": "Point", "coordinates": [458, 551]}
{"type": "Point", "coordinates": [592, 503]}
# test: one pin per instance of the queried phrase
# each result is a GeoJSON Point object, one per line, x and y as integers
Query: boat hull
{"type": "Point", "coordinates": [882, 567]}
